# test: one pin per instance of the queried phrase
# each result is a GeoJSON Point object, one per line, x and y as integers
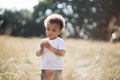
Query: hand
{"type": "Point", "coordinates": [43, 43]}
{"type": "Point", "coordinates": [48, 45]}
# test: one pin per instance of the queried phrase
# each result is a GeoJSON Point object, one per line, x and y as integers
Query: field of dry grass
{"type": "Point", "coordinates": [84, 60]}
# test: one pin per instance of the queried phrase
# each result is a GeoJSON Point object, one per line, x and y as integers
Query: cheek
{"type": "Point", "coordinates": [47, 33]}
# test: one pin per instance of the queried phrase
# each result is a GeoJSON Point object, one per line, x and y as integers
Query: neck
{"type": "Point", "coordinates": [53, 38]}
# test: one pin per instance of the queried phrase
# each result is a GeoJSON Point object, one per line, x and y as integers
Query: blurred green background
{"type": "Point", "coordinates": [85, 19]}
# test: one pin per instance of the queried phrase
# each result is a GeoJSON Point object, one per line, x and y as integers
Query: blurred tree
{"type": "Point", "coordinates": [8, 22]}
{"type": "Point", "coordinates": [13, 22]}
{"type": "Point", "coordinates": [22, 17]}
{"type": "Point", "coordinates": [84, 18]}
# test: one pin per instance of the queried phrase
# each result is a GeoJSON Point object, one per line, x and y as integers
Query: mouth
{"type": "Point", "coordinates": [49, 36]}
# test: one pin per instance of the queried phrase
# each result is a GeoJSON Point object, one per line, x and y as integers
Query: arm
{"type": "Point", "coordinates": [40, 51]}
{"type": "Point", "coordinates": [54, 50]}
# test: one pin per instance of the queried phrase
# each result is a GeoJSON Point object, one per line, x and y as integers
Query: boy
{"type": "Point", "coordinates": [52, 48]}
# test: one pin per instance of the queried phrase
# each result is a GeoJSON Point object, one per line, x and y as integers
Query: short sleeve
{"type": "Point", "coordinates": [61, 44]}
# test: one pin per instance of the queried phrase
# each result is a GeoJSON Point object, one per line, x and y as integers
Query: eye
{"type": "Point", "coordinates": [54, 30]}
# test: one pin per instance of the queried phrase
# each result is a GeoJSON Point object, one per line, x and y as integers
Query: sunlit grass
{"type": "Point", "coordinates": [17, 59]}
{"type": "Point", "coordinates": [84, 60]}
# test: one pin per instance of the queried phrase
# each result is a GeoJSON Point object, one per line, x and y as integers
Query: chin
{"type": "Point", "coordinates": [51, 38]}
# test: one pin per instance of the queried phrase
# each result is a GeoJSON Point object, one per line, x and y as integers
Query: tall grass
{"type": "Point", "coordinates": [17, 59]}
{"type": "Point", "coordinates": [84, 60]}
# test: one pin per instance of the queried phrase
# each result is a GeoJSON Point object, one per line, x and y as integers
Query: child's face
{"type": "Point", "coordinates": [52, 31]}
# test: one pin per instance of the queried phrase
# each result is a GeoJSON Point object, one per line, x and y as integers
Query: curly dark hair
{"type": "Point", "coordinates": [55, 19]}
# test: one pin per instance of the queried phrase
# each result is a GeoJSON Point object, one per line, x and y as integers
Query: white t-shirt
{"type": "Point", "coordinates": [50, 60]}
